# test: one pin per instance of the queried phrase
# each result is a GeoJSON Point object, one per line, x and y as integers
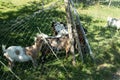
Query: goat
{"type": "Point", "coordinates": [113, 22]}
{"type": "Point", "coordinates": [22, 54]}
{"type": "Point", "coordinates": [57, 43]}
{"type": "Point", "coordinates": [58, 28]}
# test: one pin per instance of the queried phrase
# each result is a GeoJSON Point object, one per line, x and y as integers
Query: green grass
{"type": "Point", "coordinates": [101, 12]}
{"type": "Point", "coordinates": [104, 42]}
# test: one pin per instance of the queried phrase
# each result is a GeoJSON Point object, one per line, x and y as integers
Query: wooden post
{"type": "Point", "coordinates": [76, 35]}
{"type": "Point", "coordinates": [67, 7]}
{"type": "Point", "coordinates": [82, 31]}
{"type": "Point", "coordinates": [77, 39]}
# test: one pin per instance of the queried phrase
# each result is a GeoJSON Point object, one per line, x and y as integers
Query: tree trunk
{"type": "Point", "coordinates": [67, 7]}
{"type": "Point", "coordinates": [82, 31]}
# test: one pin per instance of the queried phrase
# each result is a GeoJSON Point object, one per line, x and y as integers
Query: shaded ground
{"type": "Point", "coordinates": [105, 44]}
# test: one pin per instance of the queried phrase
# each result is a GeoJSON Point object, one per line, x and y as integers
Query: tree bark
{"type": "Point", "coordinates": [67, 7]}
{"type": "Point", "coordinates": [82, 31]}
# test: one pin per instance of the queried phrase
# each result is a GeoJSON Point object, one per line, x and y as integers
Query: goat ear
{"type": "Point", "coordinates": [53, 24]}
{"type": "Point", "coordinates": [61, 23]}
{"type": "Point", "coordinates": [35, 38]}
{"type": "Point", "coordinates": [37, 34]}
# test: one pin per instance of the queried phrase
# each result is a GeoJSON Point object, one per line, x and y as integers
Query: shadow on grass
{"type": "Point", "coordinates": [22, 32]}
{"type": "Point", "coordinates": [104, 42]}
{"type": "Point", "coordinates": [22, 28]}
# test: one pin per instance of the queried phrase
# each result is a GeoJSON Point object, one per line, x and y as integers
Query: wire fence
{"type": "Point", "coordinates": [21, 31]}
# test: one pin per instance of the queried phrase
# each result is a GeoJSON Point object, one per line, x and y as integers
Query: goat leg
{"type": "Point", "coordinates": [34, 61]}
{"type": "Point", "coordinates": [43, 56]}
{"type": "Point", "coordinates": [10, 61]}
{"type": "Point", "coordinates": [11, 64]}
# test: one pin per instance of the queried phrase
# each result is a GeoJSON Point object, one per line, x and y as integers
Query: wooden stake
{"type": "Point", "coordinates": [67, 7]}
{"type": "Point", "coordinates": [81, 29]}
{"type": "Point", "coordinates": [76, 35]}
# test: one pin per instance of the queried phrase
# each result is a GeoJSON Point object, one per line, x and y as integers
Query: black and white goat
{"type": "Point", "coordinates": [113, 22]}
{"type": "Point", "coordinates": [61, 29]}
{"type": "Point", "coordinates": [23, 54]}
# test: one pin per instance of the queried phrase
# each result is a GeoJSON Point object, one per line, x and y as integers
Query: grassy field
{"type": "Point", "coordinates": [18, 26]}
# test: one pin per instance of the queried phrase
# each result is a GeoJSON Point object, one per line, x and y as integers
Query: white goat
{"type": "Point", "coordinates": [113, 22]}
{"type": "Point", "coordinates": [22, 54]}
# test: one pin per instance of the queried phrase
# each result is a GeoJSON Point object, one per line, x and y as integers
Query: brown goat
{"type": "Point", "coordinates": [62, 43]}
